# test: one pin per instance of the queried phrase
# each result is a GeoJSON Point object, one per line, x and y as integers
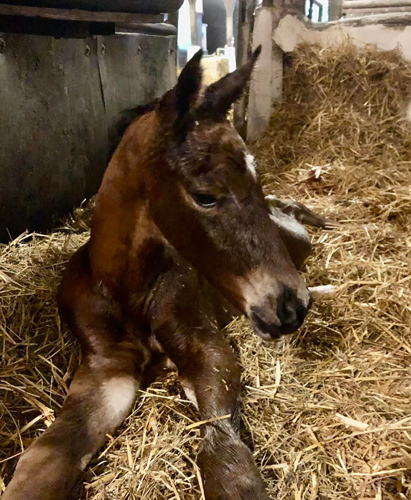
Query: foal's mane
{"type": "Point", "coordinates": [127, 117]}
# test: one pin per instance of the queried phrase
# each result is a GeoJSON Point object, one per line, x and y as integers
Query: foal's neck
{"type": "Point", "coordinates": [126, 249]}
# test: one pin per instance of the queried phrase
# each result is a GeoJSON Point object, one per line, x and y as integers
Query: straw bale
{"type": "Point", "coordinates": [327, 413]}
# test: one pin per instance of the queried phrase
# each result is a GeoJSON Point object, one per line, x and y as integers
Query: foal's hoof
{"type": "Point", "coordinates": [228, 469]}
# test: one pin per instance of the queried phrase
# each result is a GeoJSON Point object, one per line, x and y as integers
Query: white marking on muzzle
{"type": "Point", "coordinates": [261, 285]}
{"type": "Point", "coordinates": [257, 288]}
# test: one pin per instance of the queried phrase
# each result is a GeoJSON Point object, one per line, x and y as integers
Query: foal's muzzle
{"type": "Point", "coordinates": [281, 316]}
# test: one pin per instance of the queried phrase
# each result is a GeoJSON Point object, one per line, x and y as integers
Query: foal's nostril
{"type": "Point", "coordinates": [286, 318]}
{"type": "Point", "coordinates": [290, 311]}
{"type": "Point", "coordinates": [264, 328]}
{"type": "Point", "coordinates": [287, 307]}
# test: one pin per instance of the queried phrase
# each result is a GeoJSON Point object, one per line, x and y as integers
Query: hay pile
{"type": "Point", "coordinates": [328, 415]}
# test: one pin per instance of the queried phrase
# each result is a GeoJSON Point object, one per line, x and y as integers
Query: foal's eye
{"type": "Point", "coordinates": [204, 200]}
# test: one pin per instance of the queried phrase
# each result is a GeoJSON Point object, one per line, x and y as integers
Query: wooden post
{"type": "Point", "coordinates": [334, 10]}
{"type": "Point", "coordinates": [230, 26]}
{"type": "Point", "coordinates": [267, 83]}
{"type": "Point", "coordinates": [193, 22]}
{"type": "Point", "coordinates": [260, 100]}
{"type": "Point", "coordinates": [229, 8]}
{"type": "Point", "coordinates": [173, 19]}
{"type": "Point", "coordinates": [394, 11]}
{"type": "Point", "coordinates": [245, 31]}
{"type": "Point", "coordinates": [78, 15]}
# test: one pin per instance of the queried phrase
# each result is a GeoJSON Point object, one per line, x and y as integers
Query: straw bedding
{"type": "Point", "coordinates": [327, 414]}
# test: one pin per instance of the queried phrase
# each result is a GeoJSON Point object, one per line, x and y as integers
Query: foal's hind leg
{"type": "Point", "coordinates": [208, 366]}
{"type": "Point", "coordinates": [100, 395]}
{"type": "Point", "coordinates": [99, 399]}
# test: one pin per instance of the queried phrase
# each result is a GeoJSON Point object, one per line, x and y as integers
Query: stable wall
{"type": "Point", "coordinates": [280, 32]}
{"type": "Point", "coordinates": [60, 100]}
{"type": "Point", "coordinates": [291, 31]}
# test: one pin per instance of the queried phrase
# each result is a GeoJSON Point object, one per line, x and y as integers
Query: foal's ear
{"type": "Point", "coordinates": [188, 85]}
{"type": "Point", "coordinates": [176, 105]}
{"type": "Point", "coordinates": [220, 95]}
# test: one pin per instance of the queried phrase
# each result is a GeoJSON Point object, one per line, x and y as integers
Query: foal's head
{"type": "Point", "coordinates": [206, 199]}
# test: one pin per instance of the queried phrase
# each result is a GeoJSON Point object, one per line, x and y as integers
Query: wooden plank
{"type": "Point", "coordinates": [373, 10]}
{"type": "Point", "coordinates": [134, 70]}
{"type": "Point", "coordinates": [78, 15]}
{"type": "Point", "coordinates": [131, 6]}
{"type": "Point", "coordinates": [365, 4]}
{"type": "Point", "coordinates": [53, 132]}
{"type": "Point", "coordinates": [391, 19]}
{"type": "Point", "coordinates": [55, 124]}
{"type": "Point", "coordinates": [157, 29]}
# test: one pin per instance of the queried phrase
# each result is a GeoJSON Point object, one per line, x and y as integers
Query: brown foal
{"type": "Point", "coordinates": [182, 239]}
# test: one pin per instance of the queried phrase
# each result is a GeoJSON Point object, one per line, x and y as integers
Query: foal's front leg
{"type": "Point", "coordinates": [209, 370]}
